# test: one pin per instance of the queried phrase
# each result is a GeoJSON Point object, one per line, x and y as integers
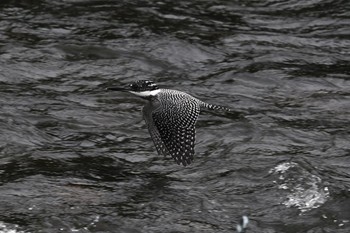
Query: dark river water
{"type": "Point", "coordinates": [77, 158]}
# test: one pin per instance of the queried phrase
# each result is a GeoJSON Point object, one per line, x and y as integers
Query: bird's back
{"type": "Point", "coordinates": [179, 107]}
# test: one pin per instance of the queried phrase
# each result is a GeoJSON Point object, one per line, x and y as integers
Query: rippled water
{"type": "Point", "coordinates": [77, 158]}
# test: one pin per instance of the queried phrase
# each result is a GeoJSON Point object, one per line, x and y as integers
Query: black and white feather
{"type": "Point", "coordinates": [171, 117]}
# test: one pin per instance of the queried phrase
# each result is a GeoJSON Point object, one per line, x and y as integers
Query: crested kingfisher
{"type": "Point", "coordinates": [170, 116]}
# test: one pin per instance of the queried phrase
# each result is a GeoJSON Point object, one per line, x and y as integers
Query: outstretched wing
{"type": "Point", "coordinates": [172, 127]}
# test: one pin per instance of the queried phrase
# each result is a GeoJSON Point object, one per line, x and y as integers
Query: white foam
{"type": "Point", "coordinates": [305, 190]}
{"type": "Point", "coordinates": [283, 167]}
{"type": "Point", "coordinates": [7, 229]}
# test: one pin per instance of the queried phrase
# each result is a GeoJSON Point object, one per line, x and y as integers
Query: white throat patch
{"type": "Point", "coordinates": [146, 93]}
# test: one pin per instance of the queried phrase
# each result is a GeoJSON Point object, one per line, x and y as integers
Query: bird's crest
{"type": "Point", "coordinates": [143, 85]}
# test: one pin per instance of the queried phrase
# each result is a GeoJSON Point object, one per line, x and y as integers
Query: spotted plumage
{"type": "Point", "coordinates": [170, 116]}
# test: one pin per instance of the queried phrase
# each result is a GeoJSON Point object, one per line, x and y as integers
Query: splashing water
{"type": "Point", "coordinates": [242, 226]}
{"type": "Point", "coordinates": [305, 190]}
{"type": "Point", "coordinates": [4, 228]}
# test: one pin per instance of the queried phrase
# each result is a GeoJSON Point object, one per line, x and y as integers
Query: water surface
{"type": "Point", "coordinates": [77, 158]}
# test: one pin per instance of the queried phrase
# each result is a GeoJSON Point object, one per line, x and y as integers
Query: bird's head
{"type": "Point", "coordinates": [142, 88]}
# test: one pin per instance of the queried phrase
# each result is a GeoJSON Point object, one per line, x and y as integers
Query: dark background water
{"type": "Point", "coordinates": [77, 158]}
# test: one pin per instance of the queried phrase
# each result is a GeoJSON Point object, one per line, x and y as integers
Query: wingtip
{"type": "Point", "coordinates": [183, 162]}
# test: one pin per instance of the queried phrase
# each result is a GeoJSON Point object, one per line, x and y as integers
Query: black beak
{"type": "Point", "coordinates": [118, 88]}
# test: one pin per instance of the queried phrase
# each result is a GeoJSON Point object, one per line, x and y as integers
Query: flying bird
{"type": "Point", "coordinates": [170, 116]}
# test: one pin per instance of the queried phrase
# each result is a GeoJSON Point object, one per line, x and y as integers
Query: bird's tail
{"type": "Point", "coordinates": [215, 107]}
